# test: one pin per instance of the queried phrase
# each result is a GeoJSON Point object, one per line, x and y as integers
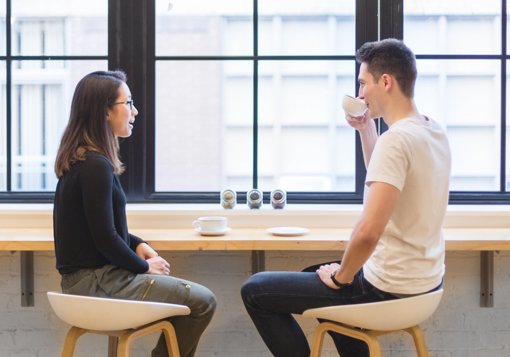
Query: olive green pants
{"type": "Point", "coordinates": [114, 282]}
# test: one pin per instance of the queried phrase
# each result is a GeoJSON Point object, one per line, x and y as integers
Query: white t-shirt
{"type": "Point", "coordinates": [414, 156]}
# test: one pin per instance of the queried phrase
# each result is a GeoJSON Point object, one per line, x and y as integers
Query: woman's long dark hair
{"type": "Point", "coordinates": [88, 129]}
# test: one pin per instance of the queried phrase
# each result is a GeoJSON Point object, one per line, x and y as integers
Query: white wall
{"type": "Point", "coordinates": [460, 328]}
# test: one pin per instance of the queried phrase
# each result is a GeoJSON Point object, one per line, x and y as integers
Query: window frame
{"type": "Point", "coordinates": [131, 47]}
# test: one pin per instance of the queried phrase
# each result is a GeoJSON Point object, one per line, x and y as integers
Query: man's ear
{"type": "Point", "coordinates": [387, 81]}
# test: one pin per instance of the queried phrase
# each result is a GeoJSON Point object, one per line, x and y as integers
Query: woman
{"type": "Point", "coordinates": [95, 254]}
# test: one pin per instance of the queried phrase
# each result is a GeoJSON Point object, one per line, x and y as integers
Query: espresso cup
{"type": "Point", "coordinates": [211, 224]}
{"type": "Point", "coordinates": [355, 107]}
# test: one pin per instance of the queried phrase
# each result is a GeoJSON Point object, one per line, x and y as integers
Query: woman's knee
{"type": "Point", "coordinates": [202, 301]}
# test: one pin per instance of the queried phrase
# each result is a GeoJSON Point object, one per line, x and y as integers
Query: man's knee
{"type": "Point", "coordinates": [252, 286]}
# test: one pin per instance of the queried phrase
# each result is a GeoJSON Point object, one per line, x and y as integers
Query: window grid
{"type": "Point", "coordinates": [391, 25]}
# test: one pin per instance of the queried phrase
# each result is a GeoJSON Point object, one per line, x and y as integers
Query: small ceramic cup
{"type": "Point", "coordinates": [355, 107]}
{"type": "Point", "coordinates": [211, 224]}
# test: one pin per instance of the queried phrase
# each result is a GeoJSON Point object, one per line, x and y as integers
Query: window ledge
{"type": "Point", "coordinates": [167, 216]}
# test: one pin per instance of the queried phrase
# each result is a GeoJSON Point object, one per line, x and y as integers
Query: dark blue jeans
{"type": "Point", "coordinates": [271, 297]}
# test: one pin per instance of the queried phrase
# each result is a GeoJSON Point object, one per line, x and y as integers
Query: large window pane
{"type": "Point", "coordinates": [204, 27]}
{"type": "Point", "coordinates": [59, 27]}
{"type": "Point", "coordinates": [304, 142]}
{"type": "Point", "coordinates": [203, 125]}
{"type": "Point", "coordinates": [453, 27]}
{"type": "Point", "coordinates": [301, 27]}
{"type": "Point", "coordinates": [464, 96]}
{"type": "Point", "coordinates": [40, 102]}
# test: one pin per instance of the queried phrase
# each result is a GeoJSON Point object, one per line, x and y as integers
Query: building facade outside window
{"type": "Point", "coordinates": [40, 90]}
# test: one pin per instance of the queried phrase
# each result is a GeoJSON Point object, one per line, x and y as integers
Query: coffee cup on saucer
{"type": "Point", "coordinates": [211, 225]}
{"type": "Point", "coordinates": [355, 107]}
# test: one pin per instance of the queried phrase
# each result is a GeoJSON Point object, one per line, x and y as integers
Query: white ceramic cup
{"type": "Point", "coordinates": [211, 224]}
{"type": "Point", "coordinates": [354, 106]}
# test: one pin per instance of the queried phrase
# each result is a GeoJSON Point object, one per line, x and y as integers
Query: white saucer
{"type": "Point", "coordinates": [212, 233]}
{"type": "Point", "coordinates": [288, 231]}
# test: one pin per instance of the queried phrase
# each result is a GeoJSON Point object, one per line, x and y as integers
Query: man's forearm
{"type": "Point", "coordinates": [360, 247]}
{"type": "Point", "coordinates": [368, 139]}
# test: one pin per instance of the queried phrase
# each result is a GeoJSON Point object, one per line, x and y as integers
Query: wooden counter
{"type": "Point", "coordinates": [320, 239]}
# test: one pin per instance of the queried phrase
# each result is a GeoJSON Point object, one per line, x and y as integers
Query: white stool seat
{"type": "Point", "coordinates": [105, 314]}
{"type": "Point", "coordinates": [382, 316]}
{"type": "Point", "coordinates": [122, 320]}
{"type": "Point", "coordinates": [366, 322]}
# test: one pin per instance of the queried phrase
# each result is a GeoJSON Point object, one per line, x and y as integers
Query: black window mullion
{"type": "Point", "coordinates": [392, 19]}
{"type": "Point", "coordinates": [502, 182]}
{"type": "Point", "coordinates": [131, 28]}
{"type": "Point", "coordinates": [8, 96]}
{"type": "Point", "coordinates": [391, 26]}
{"type": "Point", "coordinates": [255, 122]}
{"type": "Point", "coordinates": [43, 133]}
{"type": "Point", "coordinates": [255, 93]}
{"type": "Point", "coordinates": [366, 30]}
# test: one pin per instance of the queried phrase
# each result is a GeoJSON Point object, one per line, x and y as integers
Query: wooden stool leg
{"type": "Point", "coordinates": [113, 341]}
{"type": "Point", "coordinates": [374, 347]}
{"type": "Point", "coordinates": [165, 326]}
{"type": "Point", "coordinates": [70, 343]}
{"type": "Point", "coordinates": [371, 340]}
{"type": "Point", "coordinates": [171, 340]}
{"type": "Point", "coordinates": [124, 344]}
{"type": "Point", "coordinates": [318, 339]}
{"type": "Point", "coordinates": [419, 341]}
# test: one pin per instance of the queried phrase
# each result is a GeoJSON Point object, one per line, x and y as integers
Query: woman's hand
{"type": "Point", "coordinates": [144, 251]}
{"type": "Point", "coordinates": [159, 266]}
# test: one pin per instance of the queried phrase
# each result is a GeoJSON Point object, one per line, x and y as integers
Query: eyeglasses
{"type": "Point", "coordinates": [130, 102]}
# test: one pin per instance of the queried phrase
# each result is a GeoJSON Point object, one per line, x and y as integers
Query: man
{"type": "Point", "coordinates": [396, 249]}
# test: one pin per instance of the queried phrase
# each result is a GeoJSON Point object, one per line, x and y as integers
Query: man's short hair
{"type": "Point", "coordinates": [393, 57]}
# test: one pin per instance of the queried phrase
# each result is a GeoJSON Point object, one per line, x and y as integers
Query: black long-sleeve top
{"type": "Point", "coordinates": [89, 219]}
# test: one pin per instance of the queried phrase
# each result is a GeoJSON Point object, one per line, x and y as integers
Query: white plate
{"type": "Point", "coordinates": [288, 231]}
{"type": "Point", "coordinates": [212, 233]}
